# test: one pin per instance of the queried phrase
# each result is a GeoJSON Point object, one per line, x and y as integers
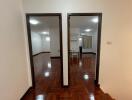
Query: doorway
{"type": "Point", "coordinates": [45, 48]}
{"type": "Point", "coordinates": [84, 39]}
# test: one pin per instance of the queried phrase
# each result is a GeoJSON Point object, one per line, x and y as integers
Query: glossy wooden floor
{"type": "Point", "coordinates": [48, 80]}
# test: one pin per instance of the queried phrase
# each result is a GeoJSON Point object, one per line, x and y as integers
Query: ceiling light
{"type": "Point", "coordinates": [46, 74]}
{"type": "Point", "coordinates": [45, 33]}
{"type": "Point", "coordinates": [95, 20]}
{"type": "Point", "coordinates": [80, 39]}
{"type": "Point", "coordinates": [48, 38]}
{"type": "Point", "coordinates": [33, 22]}
{"type": "Point", "coordinates": [86, 77]}
{"type": "Point", "coordinates": [87, 30]}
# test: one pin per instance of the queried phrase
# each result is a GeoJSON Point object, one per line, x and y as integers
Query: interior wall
{"type": "Point", "coordinates": [74, 39]}
{"type": "Point", "coordinates": [94, 43]}
{"type": "Point", "coordinates": [127, 53]}
{"type": "Point", "coordinates": [13, 60]}
{"type": "Point", "coordinates": [40, 44]}
{"type": "Point", "coordinates": [55, 42]}
{"type": "Point", "coordinates": [45, 47]}
{"type": "Point", "coordinates": [75, 44]}
{"type": "Point", "coordinates": [115, 63]}
{"type": "Point", "coordinates": [36, 43]}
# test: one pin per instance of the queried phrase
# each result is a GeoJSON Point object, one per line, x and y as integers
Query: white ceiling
{"type": "Point", "coordinates": [84, 22]}
{"type": "Point", "coordinates": [45, 23]}
{"type": "Point", "coordinates": [80, 22]}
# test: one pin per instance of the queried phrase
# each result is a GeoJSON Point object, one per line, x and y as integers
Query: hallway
{"type": "Point", "coordinates": [48, 80]}
{"type": "Point", "coordinates": [16, 54]}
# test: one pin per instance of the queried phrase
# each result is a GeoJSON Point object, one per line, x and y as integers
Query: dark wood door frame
{"type": "Point", "coordinates": [98, 41]}
{"type": "Point", "coordinates": [28, 15]}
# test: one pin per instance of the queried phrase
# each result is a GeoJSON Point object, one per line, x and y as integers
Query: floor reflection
{"type": "Point", "coordinates": [92, 97]}
{"type": "Point", "coordinates": [48, 79]}
{"type": "Point", "coordinates": [86, 77]}
{"type": "Point", "coordinates": [46, 74]}
{"type": "Point", "coordinates": [49, 64]}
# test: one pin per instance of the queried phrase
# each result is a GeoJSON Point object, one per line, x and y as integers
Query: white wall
{"type": "Point", "coordinates": [115, 64]}
{"type": "Point", "coordinates": [74, 36]}
{"type": "Point", "coordinates": [39, 43]}
{"type": "Point", "coordinates": [127, 55]}
{"type": "Point", "coordinates": [36, 43]}
{"type": "Point", "coordinates": [45, 44]}
{"type": "Point", "coordinates": [55, 42]}
{"type": "Point", "coordinates": [13, 60]}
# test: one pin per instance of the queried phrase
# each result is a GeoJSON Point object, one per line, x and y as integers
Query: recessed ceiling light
{"type": "Point", "coordinates": [80, 39]}
{"type": "Point", "coordinates": [86, 77]}
{"type": "Point", "coordinates": [87, 30]}
{"type": "Point", "coordinates": [45, 33]}
{"type": "Point", "coordinates": [48, 38]}
{"type": "Point", "coordinates": [95, 20]}
{"type": "Point", "coordinates": [46, 74]}
{"type": "Point", "coordinates": [33, 22]}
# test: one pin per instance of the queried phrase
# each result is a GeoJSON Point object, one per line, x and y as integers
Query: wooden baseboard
{"type": "Point", "coordinates": [89, 53]}
{"type": "Point", "coordinates": [41, 53]}
{"type": "Point", "coordinates": [26, 93]}
{"type": "Point", "coordinates": [96, 84]}
{"type": "Point", "coordinates": [65, 86]}
{"type": "Point", "coordinates": [55, 57]}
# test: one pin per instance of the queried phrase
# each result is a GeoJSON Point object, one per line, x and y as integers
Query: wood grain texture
{"type": "Point", "coordinates": [50, 87]}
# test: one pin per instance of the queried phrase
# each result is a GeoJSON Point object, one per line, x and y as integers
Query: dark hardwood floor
{"type": "Point", "coordinates": [48, 80]}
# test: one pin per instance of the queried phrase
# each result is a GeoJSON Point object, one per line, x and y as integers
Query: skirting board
{"type": "Point", "coordinates": [89, 53]}
{"type": "Point", "coordinates": [65, 86]}
{"type": "Point", "coordinates": [41, 53]}
{"type": "Point", "coordinates": [96, 84]}
{"type": "Point", "coordinates": [55, 57]}
{"type": "Point", "coordinates": [26, 93]}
